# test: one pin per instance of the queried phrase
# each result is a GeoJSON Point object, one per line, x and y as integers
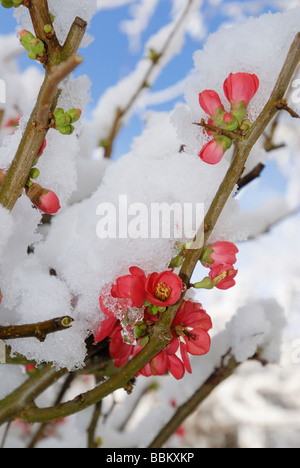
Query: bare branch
{"type": "Point", "coordinates": [37, 330]}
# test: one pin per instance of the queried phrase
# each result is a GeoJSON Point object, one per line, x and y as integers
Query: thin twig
{"type": "Point", "coordinates": [36, 130]}
{"type": "Point", "coordinates": [120, 113]}
{"type": "Point", "coordinates": [92, 442]}
{"type": "Point", "coordinates": [185, 410]}
{"type": "Point", "coordinates": [37, 330]}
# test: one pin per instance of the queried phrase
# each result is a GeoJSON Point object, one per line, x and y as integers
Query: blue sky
{"type": "Point", "coordinates": [108, 59]}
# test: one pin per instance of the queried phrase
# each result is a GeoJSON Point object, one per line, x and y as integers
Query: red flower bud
{"type": "Point", "coordinates": [211, 103]}
{"type": "Point", "coordinates": [43, 199]}
{"type": "Point", "coordinates": [240, 87]}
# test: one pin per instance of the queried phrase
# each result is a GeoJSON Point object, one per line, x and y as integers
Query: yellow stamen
{"type": "Point", "coordinates": [163, 292]}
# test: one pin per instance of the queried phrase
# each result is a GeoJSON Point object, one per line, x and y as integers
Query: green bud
{"type": "Point", "coordinates": [206, 283]}
{"type": "Point", "coordinates": [176, 262]}
{"type": "Point", "coordinates": [153, 310]}
{"type": "Point", "coordinates": [37, 47]}
{"type": "Point", "coordinates": [58, 111]}
{"type": "Point", "coordinates": [29, 183]}
{"type": "Point", "coordinates": [205, 256]}
{"type": "Point", "coordinates": [144, 341]}
{"type": "Point", "coordinates": [62, 120]}
{"type": "Point", "coordinates": [246, 126]}
{"type": "Point", "coordinates": [7, 3]}
{"type": "Point", "coordinates": [48, 28]}
{"type": "Point", "coordinates": [17, 3]}
{"type": "Point", "coordinates": [74, 114]}
{"type": "Point", "coordinates": [32, 55]}
{"type": "Point", "coordinates": [66, 130]}
{"type": "Point", "coordinates": [34, 173]}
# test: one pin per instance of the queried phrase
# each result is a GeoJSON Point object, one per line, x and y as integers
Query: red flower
{"type": "Point", "coordinates": [165, 360]}
{"type": "Point", "coordinates": [219, 253]}
{"type": "Point", "coordinates": [211, 103]}
{"type": "Point", "coordinates": [223, 276]}
{"type": "Point", "coordinates": [240, 87]}
{"type": "Point", "coordinates": [131, 287]}
{"type": "Point", "coordinates": [190, 327]}
{"type": "Point", "coordinates": [163, 289]}
{"type": "Point", "coordinates": [213, 151]}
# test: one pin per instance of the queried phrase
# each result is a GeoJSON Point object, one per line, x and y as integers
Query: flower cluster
{"type": "Point", "coordinates": [239, 89]}
{"type": "Point", "coordinates": [152, 295]}
{"type": "Point", "coordinates": [220, 258]}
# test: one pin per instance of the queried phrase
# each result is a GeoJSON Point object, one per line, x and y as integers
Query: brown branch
{"type": "Point", "coordinates": [37, 330]}
{"type": "Point", "coordinates": [252, 175]}
{"type": "Point", "coordinates": [91, 432]}
{"type": "Point", "coordinates": [36, 130]}
{"type": "Point", "coordinates": [155, 59]}
{"type": "Point", "coordinates": [283, 105]}
{"type": "Point", "coordinates": [57, 74]}
{"type": "Point", "coordinates": [43, 427]}
{"type": "Point", "coordinates": [219, 131]}
{"type": "Point", "coordinates": [40, 17]}
{"type": "Point", "coordinates": [185, 410]}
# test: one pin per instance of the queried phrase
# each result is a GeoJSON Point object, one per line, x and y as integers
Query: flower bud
{"type": "Point", "coordinates": [66, 130]}
{"type": "Point", "coordinates": [7, 3]}
{"type": "Point", "coordinates": [42, 148]}
{"type": "Point", "coordinates": [74, 114]}
{"type": "Point", "coordinates": [62, 120]}
{"type": "Point", "coordinates": [43, 199]}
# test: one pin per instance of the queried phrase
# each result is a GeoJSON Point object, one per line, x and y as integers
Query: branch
{"type": "Point", "coordinates": [58, 74]}
{"type": "Point", "coordinates": [254, 174]}
{"type": "Point", "coordinates": [120, 113]}
{"type": "Point", "coordinates": [219, 131]}
{"type": "Point", "coordinates": [37, 330]}
{"type": "Point", "coordinates": [40, 17]}
{"type": "Point", "coordinates": [185, 410]}
{"type": "Point", "coordinates": [37, 127]}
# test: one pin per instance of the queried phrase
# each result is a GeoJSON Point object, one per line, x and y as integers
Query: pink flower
{"type": "Point", "coordinates": [163, 289]}
{"type": "Point", "coordinates": [219, 253]}
{"type": "Point", "coordinates": [211, 103]}
{"type": "Point", "coordinates": [240, 87]}
{"type": "Point", "coordinates": [165, 360]}
{"type": "Point", "coordinates": [190, 328]}
{"type": "Point", "coordinates": [213, 151]}
{"type": "Point", "coordinates": [131, 287]}
{"type": "Point", "coordinates": [223, 276]}
{"type": "Point", "coordinates": [43, 199]}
